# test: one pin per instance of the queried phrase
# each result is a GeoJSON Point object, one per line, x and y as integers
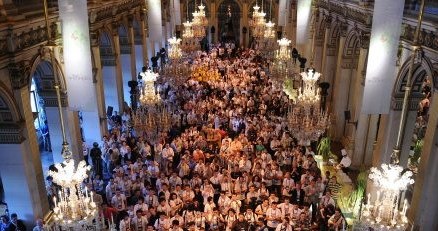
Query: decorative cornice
{"type": "Point", "coordinates": [50, 99]}
{"type": "Point", "coordinates": [19, 74]}
{"type": "Point", "coordinates": [11, 134]}
{"type": "Point", "coordinates": [428, 38]}
{"type": "Point", "coordinates": [17, 40]}
{"type": "Point", "coordinates": [349, 63]}
{"type": "Point", "coordinates": [397, 103]}
{"type": "Point", "coordinates": [348, 12]}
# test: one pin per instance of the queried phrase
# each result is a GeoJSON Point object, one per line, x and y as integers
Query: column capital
{"type": "Point", "coordinates": [115, 28]}
{"type": "Point", "coordinates": [94, 38]}
{"type": "Point", "coordinates": [365, 40]}
{"type": "Point", "coordinates": [343, 27]}
{"type": "Point", "coordinates": [19, 74]}
{"type": "Point", "coordinates": [11, 133]}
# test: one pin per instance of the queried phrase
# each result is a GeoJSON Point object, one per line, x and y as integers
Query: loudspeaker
{"type": "Point", "coordinates": [347, 115]}
{"type": "Point", "coordinates": [109, 111]}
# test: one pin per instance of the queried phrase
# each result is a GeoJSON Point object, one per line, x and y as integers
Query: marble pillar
{"type": "Point", "coordinates": [143, 33]}
{"type": "Point", "coordinates": [324, 55]}
{"type": "Point", "coordinates": [99, 86]}
{"type": "Point", "coordinates": [21, 169]}
{"type": "Point", "coordinates": [423, 211]}
{"type": "Point", "coordinates": [118, 71]}
{"type": "Point", "coordinates": [340, 90]}
{"type": "Point", "coordinates": [131, 41]}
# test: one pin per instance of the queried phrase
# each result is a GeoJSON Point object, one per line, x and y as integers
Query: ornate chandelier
{"type": "Point", "coordinates": [269, 30]}
{"type": "Point", "coordinates": [148, 97]}
{"type": "Point", "coordinates": [188, 31]}
{"type": "Point", "coordinates": [283, 53]}
{"type": "Point", "coordinates": [384, 213]}
{"type": "Point", "coordinates": [152, 117]}
{"type": "Point", "coordinates": [305, 118]}
{"type": "Point", "coordinates": [199, 22]}
{"type": "Point", "coordinates": [258, 22]}
{"type": "Point", "coordinates": [73, 209]}
{"type": "Point", "coordinates": [309, 94]}
{"type": "Point", "coordinates": [282, 67]}
{"type": "Point", "coordinates": [174, 49]}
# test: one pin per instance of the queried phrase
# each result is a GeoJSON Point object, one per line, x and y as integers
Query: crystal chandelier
{"type": "Point", "coordinates": [188, 31]}
{"type": "Point", "coordinates": [309, 94]}
{"type": "Point", "coordinates": [174, 49]}
{"type": "Point", "coordinates": [282, 67]}
{"type": "Point", "coordinates": [284, 52]}
{"type": "Point", "coordinates": [148, 97]}
{"type": "Point", "coordinates": [383, 213]}
{"type": "Point", "coordinates": [258, 22]}
{"type": "Point", "coordinates": [73, 209]}
{"type": "Point", "coordinates": [269, 30]}
{"type": "Point", "coordinates": [199, 22]}
{"type": "Point", "coordinates": [152, 117]}
{"type": "Point", "coordinates": [305, 118]}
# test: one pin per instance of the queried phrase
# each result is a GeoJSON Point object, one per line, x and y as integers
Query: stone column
{"type": "Point", "coordinates": [244, 23]}
{"type": "Point", "coordinates": [119, 76]}
{"type": "Point", "coordinates": [324, 54]}
{"type": "Point", "coordinates": [213, 21]}
{"type": "Point", "coordinates": [340, 92]}
{"type": "Point", "coordinates": [143, 32]}
{"type": "Point", "coordinates": [132, 45]}
{"type": "Point", "coordinates": [424, 205]}
{"type": "Point", "coordinates": [20, 168]}
{"type": "Point", "coordinates": [98, 83]}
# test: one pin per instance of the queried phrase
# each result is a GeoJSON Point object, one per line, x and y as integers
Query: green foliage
{"type": "Point", "coordinates": [324, 148]}
{"type": "Point", "coordinates": [350, 199]}
{"type": "Point", "coordinates": [418, 148]}
{"type": "Point", "coordinates": [288, 88]}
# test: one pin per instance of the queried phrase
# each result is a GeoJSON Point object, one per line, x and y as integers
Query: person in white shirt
{"type": "Point", "coordinates": [162, 223]}
{"type": "Point", "coordinates": [273, 216]}
{"type": "Point", "coordinates": [39, 226]}
{"type": "Point", "coordinates": [139, 222]}
{"type": "Point", "coordinates": [285, 225]}
{"type": "Point", "coordinates": [119, 201]}
{"type": "Point", "coordinates": [125, 223]}
{"type": "Point", "coordinates": [140, 205]}
{"type": "Point", "coordinates": [345, 161]}
{"type": "Point", "coordinates": [327, 199]}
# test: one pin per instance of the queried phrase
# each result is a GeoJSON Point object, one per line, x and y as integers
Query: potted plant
{"type": "Point", "coordinates": [324, 148]}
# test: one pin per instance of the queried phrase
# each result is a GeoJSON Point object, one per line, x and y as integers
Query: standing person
{"type": "Point", "coordinates": [6, 225]}
{"type": "Point", "coordinates": [240, 224]}
{"type": "Point", "coordinates": [85, 151]}
{"type": "Point", "coordinates": [39, 226]}
{"type": "Point", "coordinates": [18, 223]}
{"type": "Point", "coordinates": [96, 157]}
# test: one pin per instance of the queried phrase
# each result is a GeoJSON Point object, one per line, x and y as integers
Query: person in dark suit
{"type": "Point", "coordinates": [19, 224]}
{"type": "Point", "coordinates": [297, 195]}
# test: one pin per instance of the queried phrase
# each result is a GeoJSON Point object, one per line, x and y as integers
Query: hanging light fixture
{"type": "Point", "coordinates": [383, 213]}
{"type": "Point", "coordinates": [152, 117]}
{"type": "Point", "coordinates": [188, 31]}
{"type": "Point", "coordinates": [267, 44]}
{"type": "Point", "coordinates": [189, 43]}
{"type": "Point", "coordinates": [257, 22]}
{"type": "Point", "coordinates": [174, 49]}
{"type": "Point", "coordinates": [309, 95]}
{"type": "Point", "coordinates": [305, 117]}
{"type": "Point", "coordinates": [148, 97]}
{"type": "Point", "coordinates": [199, 22]}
